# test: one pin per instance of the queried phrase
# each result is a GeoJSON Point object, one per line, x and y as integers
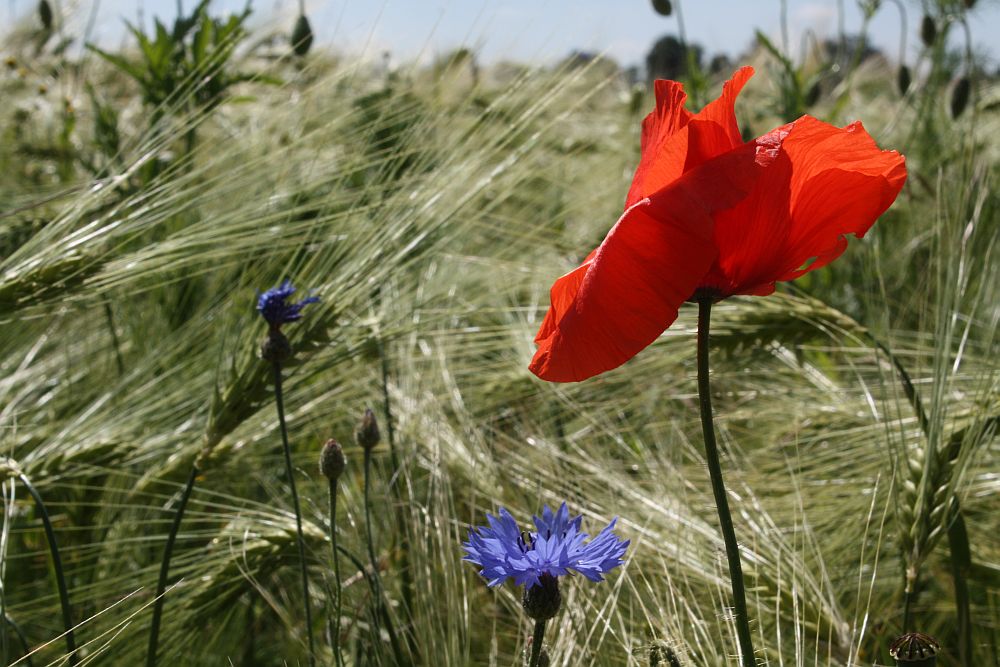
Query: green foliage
{"type": "Point", "coordinates": [187, 63]}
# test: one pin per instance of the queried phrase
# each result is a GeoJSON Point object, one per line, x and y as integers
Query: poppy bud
{"type": "Point", "coordinates": [275, 347]}
{"type": "Point", "coordinates": [45, 14]}
{"type": "Point", "coordinates": [663, 7]}
{"type": "Point", "coordinates": [542, 601]}
{"type": "Point", "coordinates": [903, 79]}
{"type": "Point", "coordinates": [331, 460]}
{"type": "Point", "coordinates": [960, 96]}
{"type": "Point", "coordinates": [367, 434]}
{"type": "Point", "coordinates": [302, 36]}
{"type": "Point", "coordinates": [928, 30]}
{"type": "Point", "coordinates": [914, 649]}
{"type": "Point", "coordinates": [812, 95]}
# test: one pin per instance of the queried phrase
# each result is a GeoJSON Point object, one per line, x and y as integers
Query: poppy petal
{"type": "Point", "coordinates": [714, 129]}
{"type": "Point", "coordinates": [822, 183]}
{"type": "Point", "coordinates": [663, 145]}
{"type": "Point", "coordinates": [674, 140]}
{"type": "Point", "coordinates": [628, 291]}
{"type": "Point", "coordinates": [842, 182]}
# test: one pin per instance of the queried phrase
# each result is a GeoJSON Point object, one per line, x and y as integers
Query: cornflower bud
{"type": "Point", "coordinates": [367, 434]}
{"type": "Point", "coordinates": [331, 460]}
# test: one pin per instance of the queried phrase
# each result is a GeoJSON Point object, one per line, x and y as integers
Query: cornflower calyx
{"type": "Point", "coordinates": [542, 601]}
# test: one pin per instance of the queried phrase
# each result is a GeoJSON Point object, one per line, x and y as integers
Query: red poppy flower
{"type": "Point", "coordinates": [710, 215]}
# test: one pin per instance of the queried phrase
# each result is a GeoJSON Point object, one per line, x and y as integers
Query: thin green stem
{"type": "Point", "coordinates": [338, 591]}
{"type": "Point", "coordinates": [161, 584]}
{"type": "Point", "coordinates": [376, 581]}
{"type": "Point", "coordinates": [25, 647]}
{"type": "Point", "coordinates": [57, 567]}
{"type": "Point", "coordinates": [380, 610]}
{"type": "Point", "coordinates": [396, 495]}
{"type": "Point", "coordinates": [278, 399]}
{"type": "Point", "coordinates": [719, 488]}
{"type": "Point", "coordinates": [369, 578]}
{"type": "Point", "coordinates": [536, 643]}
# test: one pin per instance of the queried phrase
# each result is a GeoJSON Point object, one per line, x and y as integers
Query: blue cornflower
{"type": "Point", "coordinates": [554, 548]}
{"type": "Point", "coordinates": [273, 305]}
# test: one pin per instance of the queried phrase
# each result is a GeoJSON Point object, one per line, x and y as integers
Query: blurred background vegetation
{"type": "Point", "coordinates": [148, 193]}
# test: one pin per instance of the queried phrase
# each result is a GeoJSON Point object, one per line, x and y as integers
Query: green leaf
{"type": "Point", "coordinates": [133, 70]}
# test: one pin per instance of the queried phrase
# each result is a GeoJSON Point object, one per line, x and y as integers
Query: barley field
{"type": "Point", "coordinates": [150, 195]}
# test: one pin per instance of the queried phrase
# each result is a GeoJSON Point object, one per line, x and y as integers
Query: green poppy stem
{"type": "Point", "coordinates": [50, 535]}
{"type": "Point", "coordinates": [278, 399]}
{"type": "Point", "coordinates": [338, 591]}
{"type": "Point", "coordinates": [536, 643]}
{"type": "Point", "coordinates": [719, 488]}
{"type": "Point", "coordinates": [161, 584]}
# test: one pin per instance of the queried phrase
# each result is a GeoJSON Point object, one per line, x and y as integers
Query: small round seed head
{"type": "Point", "coordinates": [331, 460]}
{"type": "Point", "coordinates": [275, 348]}
{"type": "Point", "coordinates": [663, 7]}
{"type": "Point", "coordinates": [914, 649]}
{"type": "Point", "coordinates": [542, 601]}
{"type": "Point", "coordinates": [367, 434]}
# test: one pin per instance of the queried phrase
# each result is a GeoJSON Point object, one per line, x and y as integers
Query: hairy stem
{"type": "Point", "coordinates": [719, 488]}
{"type": "Point", "coordinates": [50, 535]}
{"type": "Point", "coordinates": [370, 543]}
{"type": "Point", "coordinates": [381, 611]}
{"type": "Point", "coordinates": [161, 584]}
{"type": "Point", "coordinates": [536, 643]}
{"type": "Point", "coordinates": [278, 399]}
{"type": "Point", "coordinates": [336, 574]}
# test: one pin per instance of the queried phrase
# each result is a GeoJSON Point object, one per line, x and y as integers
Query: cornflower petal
{"type": "Point", "coordinates": [556, 548]}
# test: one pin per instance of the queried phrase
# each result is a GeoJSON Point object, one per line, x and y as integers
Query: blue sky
{"type": "Point", "coordinates": [540, 30]}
